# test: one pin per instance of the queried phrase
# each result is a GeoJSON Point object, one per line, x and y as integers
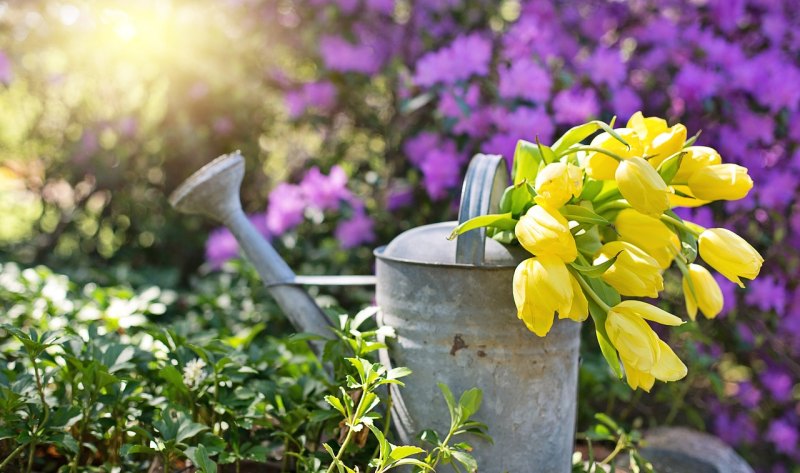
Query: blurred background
{"type": "Point", "coordinates": [357, 119]}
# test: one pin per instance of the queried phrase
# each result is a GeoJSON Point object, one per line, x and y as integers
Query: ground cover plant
{"type": "Point", "coordinates": [358, 118]}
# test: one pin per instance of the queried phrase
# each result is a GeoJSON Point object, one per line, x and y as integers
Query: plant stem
{"type": "Point", "coordinates": [679, 224]}
{"type": "Point", "coordinates": [11, 455]}
{"type": "Point", "coordinates": [620, 447]}
{"type": "Point", "coordinates": [590, 148]}
{"type": "Point", "coordinates": [613, 205]}
{"type": "Point", "coordinates": [30, 456]}
{"type": "Point", "coordinates": [590, 292]}
{"type": "Point", "coordinates": [349, 435]}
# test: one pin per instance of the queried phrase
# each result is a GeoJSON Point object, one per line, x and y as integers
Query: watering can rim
{"type": "Point", "coordinates": [380, 254]}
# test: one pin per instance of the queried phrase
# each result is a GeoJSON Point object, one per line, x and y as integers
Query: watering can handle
{"type": "Point", "coordinates": [487, 178]}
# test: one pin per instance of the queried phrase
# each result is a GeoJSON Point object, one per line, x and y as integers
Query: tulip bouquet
{"type": "Point", "coordinates": [597, 219]}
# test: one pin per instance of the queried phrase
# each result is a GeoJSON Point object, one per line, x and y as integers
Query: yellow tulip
{"type": "Point", "coordinates": [635, 341]}
{"type": "Point", "coordinates": [676, 200]}
{"type": "Point", "coordinates": [721, 182]}
{"type": "Point", "coordinates": [646, 128]}
{"type": "Point", "coordinates": [666, 144]}
{"type": "Point", "coordinates": [642, 187]}
{"type": "Point", "coordinates": [541, 288]}
{"type": "Point", "coordinates": [707, 293]}
{"type": "Point", "coordinates": [696, 158]}
{"type": "Point", "coordinates": [649, 234]}
{"type": "Point", "coordinates": [602, 167]}
{"type": "Point", "coordinates": [579, 310]}
{"type": "Point", "coordinates": [668, 368]}
{"type": "Point", "coordinates": [557, 183]}
{"type": "Point", "coordinates": [729, 254]}
{"type": "Point", "coordinates": [544, 231]}
{"type": "Point", "coordinates": [634, 273]}
{"type": "Point", "coordinates": [658, 140]}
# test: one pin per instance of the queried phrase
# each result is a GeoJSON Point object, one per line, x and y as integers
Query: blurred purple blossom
{"type": "Point", "coordinates": [324, 192]}
{"type": "Point", "coordinates": [341, 55]}
{"type": "Point", "coordinates": [784, 436]}
{"type": "Point", "coordinates": [526, 80]}
{"type": "Point", "coordinates": [221, 246]}
{"type": "Point", "coordinates": [465, 56]}
{"type": "Point", "coordinates": [318, 95]}
{"type": "Point", "coordinates": [749, 395]}
{"type": "Point", "coordinates": [355, 231]}
{"type": "Point", "coordinates": [778, 383]}
{"type": "Point", "coordinates": [286, 207]}
{"type": "Point", "coordinates": [605, 66]}
{"type": "Point", "coordinates": [734, 429]}
{"type": "Point", "coordinates": [767, 292]}
{"type": "Point", "coordinates": [5, 69]}
{"type": "Point", "coordinates": [441, 170]}
{"type": "Point", "coordinates": [575, 105]}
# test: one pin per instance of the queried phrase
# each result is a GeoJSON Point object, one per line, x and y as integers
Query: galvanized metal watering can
{"type": "Point", "coordinates": [451, 304]}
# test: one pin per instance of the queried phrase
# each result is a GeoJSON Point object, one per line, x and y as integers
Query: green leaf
{"type": "Point", "coordinates": [606, 347]}
{"type": "Point", "coordinates": [470, 402]}
{"type": "Point", "coordinates": [403, 451]}
{"type": "Point", "coordinates": [200, 459]}
{"type": "Point", "coordinates": [581, 132]}
{"type": "Point", "coordinates": [526, 162]}
{"type": "Point", "coordinates": [502, 221]}
{"type": "Point", "coordinates": [688, 240]}
{"type": "Point", "coordinates": [174, 377]}
{"type": "Point", "coordinates": [582, 215]}
{"type": "Point", "coordinates": [415, 103]}
{"type": "Point", "coordinates": [449, 399]}
{"type": "Point", "coordinates": [669, 167]}
{"type": "Point", "coordinates": [547, 154]}
{"type": "Point", "coordinates": [605, 419]}
{"type": "Point", "coordinates": [336, 404]}
{"type": "Point", "coordinates": [591, 187]}
{"type": "Point", "coordinates": [506, 200]}
{"type": "Point", "coordinates": [399, 372]}
{"type": "Point", "coordinates": [466, 459]}
{"type": "Point", "coordinates": [692, 140]}
{"type": "Point", "coordinates": [597, 270]}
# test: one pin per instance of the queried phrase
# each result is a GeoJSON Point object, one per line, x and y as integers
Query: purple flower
{"type": "Point", "coordinates": [341, 55]}
{"type": "Point", "coordinates": [783, 435]}
{"type": "Point", "coordinates": [525, 123]}
{"type": "Point", "coordinates": [605, 66]}
{"type": "Point", "coordinates": [734, 430]}
{"type": "Point", "coordinates": [700, 215]}
{"type": "Point", "coordinates": [779, 384]}
{"type": "Point", "coordinates": [748, 395]}
{"type": "Point", "coordinates": [417, 147]}
{"type": "Point", "coordinates": [355, 231]}
{"type": "Point", "coordinates": [221, 246]}
{"type": "Point", "coordinates": [777, 190]}
{"type": "Point", "coordinates": [625, 101]}
{"type": "Point", "coordinates": [318, 95]}
{"type": "Point", "coordinates": [399, 197]}
{"type": "Point", "coordinates": [467, 55]}
{"type": "Point", "coordinates": [575, 105]}
{"type": "Point", "coordinates": [694, 84]}
{"type": "Point", "coordinates": [503, 144]}
{"type": "Point", "coordinates": [286, 207]}
{"type": "Point", "coordinates": [767, 292]}
{"type": "Point", "coordinates": [324, 192]}
{"type": "Point", "coordinates": [441, 170]}
{"type": "Point", "coordinates": [525, 79]}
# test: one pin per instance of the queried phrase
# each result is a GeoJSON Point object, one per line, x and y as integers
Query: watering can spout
{"type": "Point", "coordinates": [213, 191]}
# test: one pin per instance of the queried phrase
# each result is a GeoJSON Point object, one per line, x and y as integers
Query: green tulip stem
{"type": "Point", "coordinates": [590, 292]}
{"type": "Point", "coordinates": [590, 148]}
{"type": "Point", "coordinates": [619, 204]}
{"type": "Point", "coordinates": [679, 224]}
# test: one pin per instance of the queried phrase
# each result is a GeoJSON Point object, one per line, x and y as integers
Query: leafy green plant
{"type": "Point", "coordinates": [606, 430]}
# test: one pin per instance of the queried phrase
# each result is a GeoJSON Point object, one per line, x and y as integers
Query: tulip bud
{"type": "Point", "coordinates": [602, 167]}
{"type": "Point", "coordinates": [721, 182]}
{"type": "Point", "coordinates": [646, 128]}
{"type": "Point", "coordinates": [707, 293]}
{"type": "Point", "coordinates": [579, 310]}
{"type": "Point", "coordinates": [544, 231]}
{"type": "Point", "coordinates": [666, 144]}
{"type": "Point", "coordinates": [634, 273]}
{"type": "Point", "coordinates": [696, 158]}
{"type": "Point", "coordinates": [635, 341]}
{"type": "Point", "coordinates": [557, 183]}
{"type": "Point", "coordinates": [729, 254]}
{"type": "Point", "coordinates": [642, 187]}
{"type": "Point", "coordinates": [649, 234]}
{"type": "Point", "coordinates": [542, 287]}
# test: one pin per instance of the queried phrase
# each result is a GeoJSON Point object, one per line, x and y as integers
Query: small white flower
{"type": "Point", "coordinates": [193, 373]}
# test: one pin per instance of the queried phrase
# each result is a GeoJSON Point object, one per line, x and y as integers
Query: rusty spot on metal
{"type": "Point", "coordinates": [458, 344]}
{"type": "Point", "coordinates": [481, 353]}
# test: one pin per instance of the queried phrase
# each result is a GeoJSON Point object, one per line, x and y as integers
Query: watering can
{"type": "Point", "coordinates": [452, 308]}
